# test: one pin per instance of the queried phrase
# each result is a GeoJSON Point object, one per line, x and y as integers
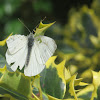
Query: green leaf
{"type": "Point", "coordinates": [52, 78]}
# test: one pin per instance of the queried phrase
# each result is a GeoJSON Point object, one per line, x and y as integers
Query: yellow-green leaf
{"type": "Point", "coordinates": [7, 96]}
{"type": "Point", "coordinates": [78, 82]}
{"type": "Point", "coordinates": [36, 84]}
{"type": "Point", "coordinates": [42, 28]}
{"type": "Point", "coordinates": [83, 84]}
{"type": "Point", "coordinates": [15, 84]}
{"type": "Point", "coordinates": [2, 43]}
{"type": "Point", "coordinates": [96, 84]}
{"type": "Point", "coordinates": [86, 93]}
{"type": "Point", "coordinates": [52, 98]}
{"type": "Point", "coordinates": [70, 91]}
{"type": "Point", "coordinates": [71, 87]}
{"type": "Point", "coordinates": [52, 78]}
{"type": "Point", "coordinates": [67, 74]}
{"type": "Point", "coordinates": [35, 97]}
{"type": "Point", "coordinates": [95, 40]}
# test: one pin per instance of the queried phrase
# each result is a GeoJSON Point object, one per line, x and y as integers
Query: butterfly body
{"type": "Point", "coordinates": [29, 46]}
{"type": "Point", "coordinates": [30, 40]}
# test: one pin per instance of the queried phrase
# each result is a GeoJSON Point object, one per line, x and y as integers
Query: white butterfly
{"type": "Point", "coordinates": [29, 51]}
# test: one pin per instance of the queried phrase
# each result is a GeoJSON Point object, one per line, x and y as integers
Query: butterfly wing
{"type": "Point", "coordinates": [41, 52]}
{"type": "Point", "coordinates": [46, 48]}
{"type": "Point", "coordinates": [16, 42]}
{"type": "Point", "coordinates": [33, 68]}
{"type": "Point", "coordinates": [17, 51]}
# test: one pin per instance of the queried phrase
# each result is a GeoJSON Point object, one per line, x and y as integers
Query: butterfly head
{"type": "Point", "coordinates": [31, 34]}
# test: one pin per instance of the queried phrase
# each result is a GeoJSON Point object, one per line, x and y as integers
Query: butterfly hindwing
{"type": "Point", "coordinates": [46, 48]}
{"type": "Point", "coordinates": [33, 68]}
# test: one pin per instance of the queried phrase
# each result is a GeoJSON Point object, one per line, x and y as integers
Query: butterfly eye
{"type": "Point", "coordinates": [33, 32]}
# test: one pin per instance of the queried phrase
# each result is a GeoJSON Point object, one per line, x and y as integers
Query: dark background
{"type": "Point", "coordinates": [32, 11]}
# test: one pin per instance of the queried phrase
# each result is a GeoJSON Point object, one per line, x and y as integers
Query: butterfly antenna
{"type": "Point", "coordinates": [44, 18]}
{"type": "Point", "coordinates": [24, 25]}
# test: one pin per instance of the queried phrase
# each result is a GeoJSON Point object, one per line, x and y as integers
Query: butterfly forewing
{"type": "Point", "coordinates": [17, 52]}
{"type": "Point", "coordinates": [16, 42]}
